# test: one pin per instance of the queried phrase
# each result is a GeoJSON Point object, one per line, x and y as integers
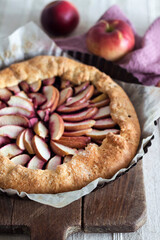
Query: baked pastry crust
{"type": "Point", "coordinates": [95, 161]}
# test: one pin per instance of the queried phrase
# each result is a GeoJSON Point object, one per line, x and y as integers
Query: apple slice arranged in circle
{"type": "Point", "coordinates": [35, 163]}
{"type": "Point", "coordinates": [100, 135]}
{"type": "Point", "coordinates": [77, 133]}
{"type": "Point", "coordinates": [14, 120]}
{"type": "Point", "coordinates": [40, 129]}
{"type": "Point", "coordinates": [75, 126]}
{"type": "Point", "coordinates": [74, 142]}
{"type": "Point", "coordinates": [38, 99]}
{"type": "Point", "coordinates": [21, 159]}
{"type": "Point", "coordinates": [99, 98]}
{"type": "Point", "coordinates": [100, 104]}
{"type": "Point", "coordinates": [41, 148]}
{"type": "Point", "coordinates": [16, 110]}
{"type": "Point", "coordinates": [28, 135]}
{"type": "Point", "coordinates": [50, 93]}
{"type": "Point", "coordinates": [34, 87]}
{"type": "Point", "coordinates": [81, 88]}
{"type": "Point", "coordinates": [104, 123]}
{"type": "Point", "coordinates": [56, 126]}
{"type": "Point", "coordinates": [10, 131]}
{"type": "Point", "coordinates": [5, 94]}
{"type": "Point", "coordinates": [20, 140]}
{"type": "Point", "coordinates": [15, 89]}
{"type": "Point", "coordinates": [102, 112]}
{"type": "Point", "coordinates": [55, 103]}
{"type": "Point", "coordinates": [62, 150]}
{"type": "Point", "coordinates": [10, 150]}
{"type": "Point", "coordinates": [16, 101]}
{"type": "Point", "coordinates": [53, 163]}
{"type": "Point", "coordinates": [64, 95]}
{"type": "Point", "coordinates": [48, 81]}
{"type": "Point", "coordinates": [4, 140]}
{"type": "Point", "coordinates": [64, 109]}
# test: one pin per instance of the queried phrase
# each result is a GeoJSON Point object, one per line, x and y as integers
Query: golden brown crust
{"type": "Point", "coordinates": [115, 152]}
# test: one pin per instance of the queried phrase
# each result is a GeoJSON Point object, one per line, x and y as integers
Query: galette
{"type": "Point", "coordinates": [62, 125]}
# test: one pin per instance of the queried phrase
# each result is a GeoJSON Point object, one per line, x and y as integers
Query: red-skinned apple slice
{"type": "Point", "coordinates": [33, 121]}
{"type": "Point", "coordinates": [40, 129]}
{"type": "Point", "coordinates": [81, 88]}
{"type": "Point", "coordinates": [21, 159]}
{"type": "Point", "coordinates": [65, 84]}
{"type": "Point", "coordinates": [64, 95]}
{"type": "Point", "coordinates": [64, 109]}
{"type": "Point", "coordinates": [16, 101]}
{"type": "Point", "coordinates": [35, 86]}
{"type": "Point", "coordinates": [10, 131]}
{"type": "Point", "coordinates": [43, 114]}
{"type": "Point", "coordinates": [53, 163]}
{"type": "Point", "coordinates": [56, 126]}
{"type": "Point", "coordinates": [67, 159]}
{"type": "Point", "coordinates": [62, 150]}
{"type": "Point", "coordinates": [23, 94]}
{"type": "Point", "coordinates": [69, 126]}
{"type": "Point", "coordinates": [25, 86]}
{"type": "Point", "coordinates": [5, 94]}
{"type": "Point", "coordinates": [100, 135]}
{"type": "Point", "coordinates": [48, 81]}
{"type": "Point", "coordinates": [28, 136]}
{"type": "Point", "coordinates": [16, 110]}
{"type": "Point", "coordinates": [50, 93]}
{"type": "Point", "coordinates": [55, 103]}
{"type": "Point", "coordinates": [81, 97]}
{"type": "Point", "coordinates": [74, 142]}
{"type": "Point", "coordinates": [2, 105]}
{"type": "Point", "coordinates": [102, 112]}
{"type": "Point", "coordinates": [104, 123]}
{"type": "Point", "coordinates": [17, 120]}
{"type": "Point", "coordinates": [41, 148]}
{"type": "Point", "coordinates": [99, 98]}
{"type": "Point", "coordinates": [10, 150]}
{"type": "Point", "coordinates": [4, 141]}
{"type": "Point", "coordinates": [76, 117]}
{"type": "Point", "coordinates": [38, 99]}
{"type": "Point", "coordinates": [77, 133]}
{"type": "Point", "coordinates": [35, 163]}
{"type": "Point", "coordinates": [100, 104]}
{"type": "Point", "coordinates": [20, 140]}
{"type": "Point", "coordinates": [15, 89]}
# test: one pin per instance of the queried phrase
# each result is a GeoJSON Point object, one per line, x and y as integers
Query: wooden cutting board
{"type": "Point", "coordinates": [119, 206]}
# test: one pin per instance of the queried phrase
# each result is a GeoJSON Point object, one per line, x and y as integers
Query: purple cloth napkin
{"type": "Point", "coordinates": [143, 62]}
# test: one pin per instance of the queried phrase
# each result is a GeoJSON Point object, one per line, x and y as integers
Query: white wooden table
{"type": "Point", "coordinates": [15, 13]}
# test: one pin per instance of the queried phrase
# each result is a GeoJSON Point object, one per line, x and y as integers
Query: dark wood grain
{"type": "Point", "coordinates": [119, 206]}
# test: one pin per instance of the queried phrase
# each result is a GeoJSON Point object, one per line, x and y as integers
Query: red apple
{"type": "Point", "coordinates": [59, 18]}
{"type": "Point", "coordinates": [110, 39]}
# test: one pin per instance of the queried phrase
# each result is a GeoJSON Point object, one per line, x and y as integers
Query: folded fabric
{"type": "Point", "coordinates": [143, 62]}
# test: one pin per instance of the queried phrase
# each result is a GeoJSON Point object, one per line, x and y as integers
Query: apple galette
{"type": "Point", "coordinates": [62, 125]}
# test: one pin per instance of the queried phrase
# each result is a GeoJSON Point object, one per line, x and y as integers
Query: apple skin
{"type": "Point", "coordinates": [59, 18]}
{"type": "Point", "coordinates": [110, 39]}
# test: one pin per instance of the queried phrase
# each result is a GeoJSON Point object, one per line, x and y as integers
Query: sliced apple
{"type": "Point", "coordinates": [16, 110]}
{"type": "Point", "coordinates": [53, 163]}
{"type": "Point", "coordinates": [43, 114]}
{"type": "Point", "coordinates": [56, 126]}
{"type": "Point", "coordinates": [28, 135]}
{"type": "Point", "coordinates": [99, 98]}
{"type": "Point", "coordinates": [96, 92]}
{"type": "Point", "coordinates": [2, 105]}
{"type": "Point", "coordinates": [50, 94]}
{"type": "Point", "coordinates": [64, 95]}
{"type": "Point", "coordinates": [100, 135]}
{"type": "Point", "coordinates": [81, 97]}
{"type": "Point", "coordinates": [20, 140]}
{"type": "Point", "coordinates": [64, 109]}
{"type": "Point", "coordinates": [102, 112]}
{"type": "Point", "coordinates": [35, 163]}
{"type": "Point", "coordinates": [100, 104]}
{"type": "Point", "coordinates": [86, 114]}
{"type": "Point", "coordinates": [5, 94]}
{"type": "Point", "coordinates": [15, 89]}
{"type": "Point", "coordinates": [55, 103]}
{"type": "Point", "coordinates": [21, 159]}
{"type": "Point", "coordinates": [17, 120]}
{"type": "Point", "coordinates": [35, 86]}
{"type": "Point", "coordinates": [24, 86]}
{"type": "Point", "coordinates": [33, 121]}
{"type": "Point", "coordinates": [104, 123]}
{"type": "Point", "coordinates": [10, 131]}
{"type": "Point", "coordinates": [65, 84]}
{"type": "Point", "coordinates": [62, 150]}
{"type": "Point", "coordinates": [67, 159]}
{"type": "Point", "coordinates": [41, 148]}
{"type": "Point", "coordinates": [4, 141]}
{"type": "Point", "coordinates": [38, 99]}
{"type": "Point", "coordinates": [40, 129]}
{"type": "Point", "coordinates": [16, 101]}
{"type": "Point", "coordinates": [81, 88]}
{"type": "Point", "coordinates": [23, 94]}
{"type": "Point", "coordinates": [77, 133]}
{"type": "Point", "coordinates": [74, 126]}
{"type": "Point", "coordinates": [10, 150]}
{"type": "Point", "coordinates": [48, 81]}
{"type": "Point", "coordinates": [74, 142]}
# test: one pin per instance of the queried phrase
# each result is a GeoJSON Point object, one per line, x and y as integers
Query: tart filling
{"type": "Point", "coordinates": [62, 125]}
